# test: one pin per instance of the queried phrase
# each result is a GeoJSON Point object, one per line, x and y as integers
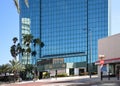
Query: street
{"type": "Point", "coordinates": [69, 81]}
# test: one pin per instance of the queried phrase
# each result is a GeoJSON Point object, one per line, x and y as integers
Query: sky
{"type": "Point", "coordinates": [9, 26]}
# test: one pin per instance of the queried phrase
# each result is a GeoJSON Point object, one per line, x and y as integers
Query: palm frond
{"type": "Point", "coordinates": [16, 66]}
{"type": "Point", "coordinates": [13, 51]}
{"type": "Point", "coordinates": [15, 39]}
{"type": "Point", "coordinates": [26, 3]}
{"type": "Point", "coordinates": [36, 41]}
{"type": "Point", "coordinates": [27, 38]}
{"type": "Point", "coordinates": [17, 5]}
{"type": "Point", "coordinates": [42, 44]}
{"type": "Point", "coordinates": [28, 50]}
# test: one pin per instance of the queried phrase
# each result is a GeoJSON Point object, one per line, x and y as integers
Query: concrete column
{"type": "Point", "coordinates": [107, 65]}
{"type": "Point", "coordinates": [67, 71]}
{"type": "Point", "coordinates": [76, 71]}
{"type": "Point", "coordinates": [99, 70]}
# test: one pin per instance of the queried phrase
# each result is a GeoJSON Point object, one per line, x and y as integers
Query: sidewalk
{"type": "Point", "coordinates": [65, 78]}
{"type": "Point", "coordinates": [94, 78]}
{"type": "Point", "coordinates": [87, 78]}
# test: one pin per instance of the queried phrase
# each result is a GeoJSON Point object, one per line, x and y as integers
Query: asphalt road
{"type": "Point", "coordinates": [84, 83]}
{"type": "Point", "coordinates": [68, 81]}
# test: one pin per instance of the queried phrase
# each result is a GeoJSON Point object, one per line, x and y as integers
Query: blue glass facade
{"type": "Point", "coordinates": [32, 13]}
{"type": "Point", "coordinates": [67, 27]}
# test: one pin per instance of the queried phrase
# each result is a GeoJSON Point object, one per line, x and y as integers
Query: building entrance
{"type": "Point", "coordinates": [40, 75]}
{"type": "Point", "coordinates": [71, 71]}
{"type": "Point", "coordinates": [81, 71]}
{"type": "Point", "coordinates": [118, 69]}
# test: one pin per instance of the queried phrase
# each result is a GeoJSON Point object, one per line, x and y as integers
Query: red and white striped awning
{"type": "Point", "coordinates": [107, 61]}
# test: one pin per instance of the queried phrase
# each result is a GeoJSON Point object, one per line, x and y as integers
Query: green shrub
{"type": "Point", "coordinates": [94, 73]}
{"type": "Point", "coordinates": [62, 75]}
{"type": "Point", "coordinates": [85, 73]}
{"type": "Point", "coordinates": [46, 75]}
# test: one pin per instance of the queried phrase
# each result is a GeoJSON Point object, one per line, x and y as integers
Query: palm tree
{"type": "Point", "coordinates": [29, 71]}
{"type": "Point", "coordinates": [29, 40]}
{"type": "Point", "coordinates": [37, 41]}
{"type": "Point", "coordinates": [28, 51]}
{"type": "Point", "coordinates": [15, 39]}
{"type": "Point", "coordinates": [16, 67]}
{"type": "Point", "coordinates": [4, 69]}
{"type": "Point", "coordinates": [15, 48]}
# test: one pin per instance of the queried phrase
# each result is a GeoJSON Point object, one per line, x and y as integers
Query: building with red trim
{"type": "Point", "coordinates": [110, 48]}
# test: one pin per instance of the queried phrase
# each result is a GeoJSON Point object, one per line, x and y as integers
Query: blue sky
{"type": "Point", "coordinates": [115, 16]}
{"type": "Point", "coordinates": [9, 26]}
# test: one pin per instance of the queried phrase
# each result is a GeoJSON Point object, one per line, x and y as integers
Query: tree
{"type": "Point", "coordinates": [4, 69]}
{"type": "Point", "coordinates": [27, 39]}
{"type": "Point", "coordinates": [16, 67]}
{"type": "Point", "coordinates": [15, 39]}
{"type": "Point", "coordinates": [15, 48]}
{"type": "Point", "coordinates": [28, 73]}
{"type": "Point", "coordinates": [30, 40]}
{"type": "Point", "coordinates": [36, 41]}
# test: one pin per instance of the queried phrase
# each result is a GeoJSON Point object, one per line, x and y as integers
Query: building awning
{"type": "Point", "coordinates": [107, 61]}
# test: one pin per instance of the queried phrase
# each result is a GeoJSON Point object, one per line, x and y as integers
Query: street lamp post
{"type": "Point", "coordinates": [90, 54]}
{"type": "Point", "coordinates": [87, 37]}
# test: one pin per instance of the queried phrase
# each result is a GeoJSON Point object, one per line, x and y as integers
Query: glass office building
{"type": "Point", "coordinates": [70, 30]}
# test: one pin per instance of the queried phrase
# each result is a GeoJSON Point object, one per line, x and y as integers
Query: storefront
{"type": "Point", "coordinates": [110, 66]}
{"type": "Point", "coordinates": [109, 48]}
{"type": "Point", "coordinates": [57, 65]}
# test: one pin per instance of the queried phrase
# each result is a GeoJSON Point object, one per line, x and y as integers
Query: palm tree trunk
{"type": "Point", "coordinates": [27, 58]}
{"type": "Point", "coordinates": [9, 77]}
{"type": "Point", "coordinates": [5, 77]}
{"type": "Point", "coordinates": [14, 76]}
